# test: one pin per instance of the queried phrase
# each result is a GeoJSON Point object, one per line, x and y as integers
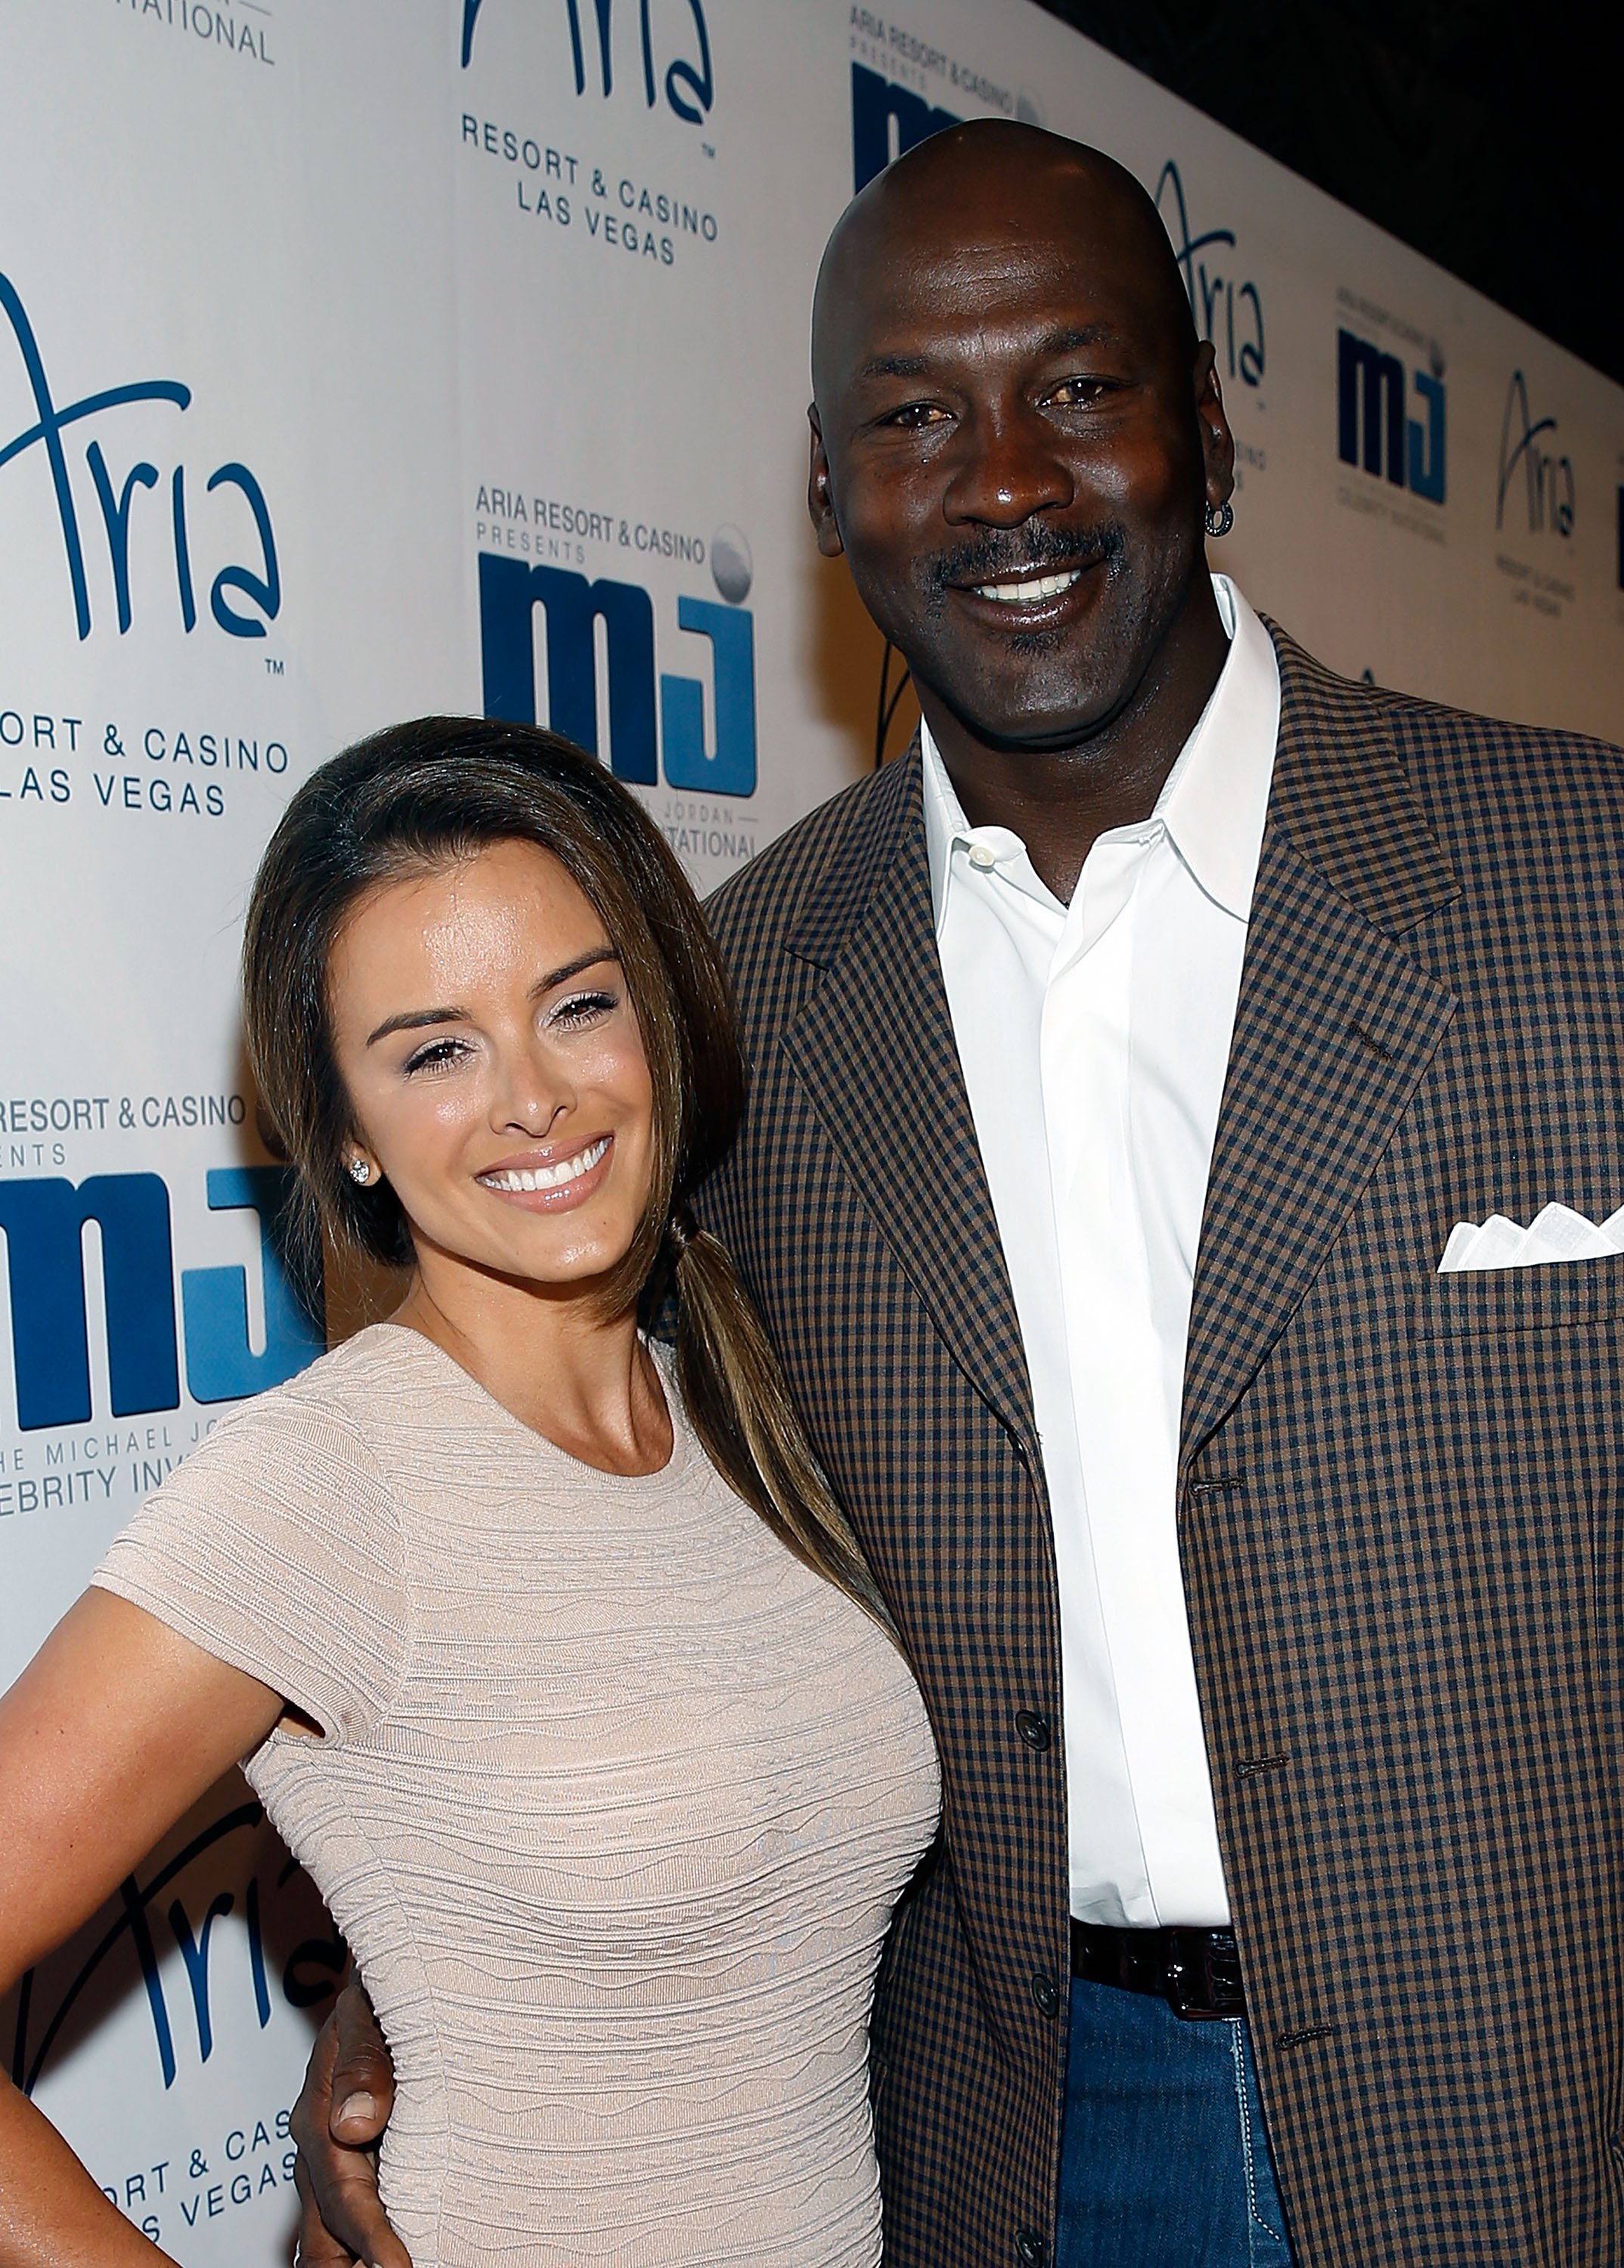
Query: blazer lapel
{"type": "Point", "coordinates": [874, 1052]}
{"type": "Point", "coordinates": [1335, 1025]}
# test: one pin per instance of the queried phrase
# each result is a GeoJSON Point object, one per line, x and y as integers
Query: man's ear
{"type": "Point", "coordinates": [820, 500]}
{"type": "Point", "coordinates": [1217, 441]}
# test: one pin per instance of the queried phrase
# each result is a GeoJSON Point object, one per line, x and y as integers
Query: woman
{"type": "Point", "coordinates": [550, 1654]}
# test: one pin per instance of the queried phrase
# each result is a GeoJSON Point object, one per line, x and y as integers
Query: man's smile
{"type": "Point", "coordinates": [1027, 589]}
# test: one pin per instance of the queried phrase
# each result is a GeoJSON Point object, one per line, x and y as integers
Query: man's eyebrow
{"type": "Point", "coordinates": [418, 1020]}
{"type": "Point", "coordinates": [1080, 335]}
{"type": "Point", "coordinates": [893, 365]}
{"type": "Point", "coordinates": [1064, 340]}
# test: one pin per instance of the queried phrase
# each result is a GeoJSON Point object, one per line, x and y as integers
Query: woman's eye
{"type": "Point", "coordinates": [585, 1008]}
{"type": "Point", "coordinates": [438, 1056]}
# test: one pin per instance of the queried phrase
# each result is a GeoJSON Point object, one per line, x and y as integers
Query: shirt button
{"type": "Point", "coordinates": [1033, 1729]}
{"type": "Point", "coordinates": [1046, 1994]}
{"type": "Point", "coordinates": [1030, 2248]}
{"type": "Point", "coordinates": [982, 855]}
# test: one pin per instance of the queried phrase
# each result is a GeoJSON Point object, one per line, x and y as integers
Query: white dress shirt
{"type": "Point", "coordinates": [1095, 1039]}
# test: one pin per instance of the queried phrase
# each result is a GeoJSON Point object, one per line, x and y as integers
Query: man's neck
{"type": "Point", "coordinates": [1060, 801]}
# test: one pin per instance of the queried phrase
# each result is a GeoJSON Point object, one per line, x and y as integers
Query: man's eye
{"type": "Point", "coordinates": [439, 1055]}
{"type": "Point", "coordinates": [1077, 393]}
{"type": "Point", "coordinates": [913, 417]}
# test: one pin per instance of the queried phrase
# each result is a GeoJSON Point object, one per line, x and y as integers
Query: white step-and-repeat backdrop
{"type": "Point", "coordinates": [362, 359]}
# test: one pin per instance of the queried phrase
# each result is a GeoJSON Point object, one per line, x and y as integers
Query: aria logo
{"type": "Point", "coordinates": [261, 585]}
{"type": "Point", "coordinates": [689, 83]}
{"type": "Point", "coordinates": [1547, 480]}
{"type": "Point", "coordinates": [1373, 429]}
{"type": "Point", "coordinates": [1213, 296]}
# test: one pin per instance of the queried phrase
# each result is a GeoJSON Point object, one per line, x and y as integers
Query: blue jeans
{"type": "Point", "coordinates": [1164, 2163]}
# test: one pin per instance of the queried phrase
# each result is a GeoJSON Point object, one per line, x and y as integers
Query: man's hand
{"type": "Point", "coordinates": [342, 2108]}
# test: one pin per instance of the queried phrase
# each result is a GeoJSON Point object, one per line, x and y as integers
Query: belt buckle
{"type": "Point", "coordinates": [1203, 1977]}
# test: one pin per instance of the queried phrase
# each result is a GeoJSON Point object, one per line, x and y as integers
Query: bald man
{"type": "Point", "coordinates": [1123, 1059]}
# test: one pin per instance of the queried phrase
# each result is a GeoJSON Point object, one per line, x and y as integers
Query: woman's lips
{"type": "Point", "coordinates": [552, 1184]}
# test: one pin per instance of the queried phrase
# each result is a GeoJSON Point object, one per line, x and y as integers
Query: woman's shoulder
{"type": "Point", "coordinates": [351, 1394]}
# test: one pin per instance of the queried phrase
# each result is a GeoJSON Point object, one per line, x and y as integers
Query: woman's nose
{"type": "Point", "coordinates": [533, 1094]}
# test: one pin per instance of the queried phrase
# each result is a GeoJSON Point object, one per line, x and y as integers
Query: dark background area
{"type": "Point", "coordinates": [1488, 136]}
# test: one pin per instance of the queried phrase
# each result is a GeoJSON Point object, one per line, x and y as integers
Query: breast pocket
{"type": "Point", "coordinates": [1495, 1302]}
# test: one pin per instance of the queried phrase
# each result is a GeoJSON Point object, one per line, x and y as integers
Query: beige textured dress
{"type": "Point", "coordinates": [613, 1803]}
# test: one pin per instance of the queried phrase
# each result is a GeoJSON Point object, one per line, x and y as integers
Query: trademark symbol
{"type": "Point", "coordinates": [273, 668]}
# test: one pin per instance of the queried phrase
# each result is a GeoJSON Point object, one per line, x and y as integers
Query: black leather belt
{"type": "Point", "coordinates": [1196, 1971]}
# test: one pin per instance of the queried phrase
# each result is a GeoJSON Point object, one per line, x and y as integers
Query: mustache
{"type": "Point", "coordinates": [997, 554]}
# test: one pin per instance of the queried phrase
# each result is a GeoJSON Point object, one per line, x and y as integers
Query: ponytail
{"type": "Point", "coordinates": [739, 1405]}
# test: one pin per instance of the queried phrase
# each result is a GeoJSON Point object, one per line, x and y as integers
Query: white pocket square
{"type": "Point", "coordinates": [1556, 1234]}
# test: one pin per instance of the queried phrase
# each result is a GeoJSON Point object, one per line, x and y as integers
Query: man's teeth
{"type": "Point", "coordinates": [549, 1177]}
{"type": "Point", "coordinates": [1029, 589]}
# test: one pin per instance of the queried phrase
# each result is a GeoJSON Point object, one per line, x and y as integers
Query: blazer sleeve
{"type": "Point", "coordinates": [277, 1547]}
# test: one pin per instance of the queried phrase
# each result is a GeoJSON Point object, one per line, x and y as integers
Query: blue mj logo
{"type": "Point", "coordinates": [1546, 479]}
{"type": "Point", "coordinates": [1373, 427]}
{"type": "Point", "coordinates": [44, 1220]}
{"type": "Point", "coordinates": [510, 591]}
{"type": "Point", "coordinates": [689, 82]}
{"type": "Point", "coordinates": [261, 585]}
{"type": "Point", "coordinates": [887, 119]}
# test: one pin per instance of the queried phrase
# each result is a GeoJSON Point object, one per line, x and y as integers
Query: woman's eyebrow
{"type": "Point", "coordinates": [584, 961]}
{"type": "Point", "coordinates": [415, 1020]}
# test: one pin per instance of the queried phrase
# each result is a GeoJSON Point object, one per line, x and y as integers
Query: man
{"type": "Point", "coordinates": [1268, 1598]}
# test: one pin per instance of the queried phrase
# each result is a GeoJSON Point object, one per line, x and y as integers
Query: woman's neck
{"type": "Point", "coordinates": [584, 1382]}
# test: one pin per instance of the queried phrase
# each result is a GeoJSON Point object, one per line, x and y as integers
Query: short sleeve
{"type": "Point", "coordinates": [277, 1547]}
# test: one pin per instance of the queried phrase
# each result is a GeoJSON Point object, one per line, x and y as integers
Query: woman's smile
{"type": "Point", "coordinates": [551, 1180]}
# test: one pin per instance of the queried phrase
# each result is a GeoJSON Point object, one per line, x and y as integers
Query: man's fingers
{"type": "Point", "coordinates": [362, 2079]}
{"type": "Point", "coordinates": [317, 2247]}
{"type": "Point", "coordinates": [348, 2224]}
{"type": "Point", "coordinates": [344, 2104]}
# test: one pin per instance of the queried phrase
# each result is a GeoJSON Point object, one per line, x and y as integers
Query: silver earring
{"type": "Point", "coordinates": [1219, 520]}
{"type": "Point", "coordinates": [360, 1171]}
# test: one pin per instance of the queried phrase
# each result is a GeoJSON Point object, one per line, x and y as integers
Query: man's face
{"type": "Point", "coordinates": [1013, 450]}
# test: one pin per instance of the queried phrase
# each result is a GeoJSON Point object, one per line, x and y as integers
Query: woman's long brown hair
{"type": "Point", "coordinates": [428, 794]}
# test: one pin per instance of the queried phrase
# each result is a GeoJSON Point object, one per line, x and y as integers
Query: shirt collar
{"type": "Point", "coordinates": [1213, 805]}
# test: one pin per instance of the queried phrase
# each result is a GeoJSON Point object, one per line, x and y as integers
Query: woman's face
{"type": "Point", "coordinates": [486, 1041]}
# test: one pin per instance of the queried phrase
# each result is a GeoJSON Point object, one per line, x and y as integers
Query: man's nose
{"type": "Point", "coordinates": [1006, 469]}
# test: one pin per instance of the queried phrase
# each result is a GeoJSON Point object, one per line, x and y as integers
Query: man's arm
{"type": "Point", "coordinates": [342, 2108]}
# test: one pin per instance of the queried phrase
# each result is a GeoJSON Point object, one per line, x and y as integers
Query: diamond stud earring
{"type": "Point", "coordinates": [359, 1170]}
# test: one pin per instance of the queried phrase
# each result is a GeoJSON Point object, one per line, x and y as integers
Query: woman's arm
{"type": "Point", "coordinates": [108, 1738]}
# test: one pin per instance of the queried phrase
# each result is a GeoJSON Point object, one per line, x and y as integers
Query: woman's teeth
{"type": "Point", "coordinates": [1030, 590]}
{"type": "Point", "coordinates": [549, 1177]}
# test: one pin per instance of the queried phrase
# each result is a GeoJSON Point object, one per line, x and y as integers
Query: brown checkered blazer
{"type": "Point", "coordinates": [1401, 1504]}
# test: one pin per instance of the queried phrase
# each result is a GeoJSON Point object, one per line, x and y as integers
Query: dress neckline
{"type": "Point", "coordinates": [674, 1469]}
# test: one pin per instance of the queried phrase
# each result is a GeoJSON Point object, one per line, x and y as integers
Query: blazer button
{"type": "Point", "coordinates": [1033, 1729]}
{"type": "Point", "coordinates": [1045, 1993]}
{"type": "Point", "coordinates": [1030, 2248]}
